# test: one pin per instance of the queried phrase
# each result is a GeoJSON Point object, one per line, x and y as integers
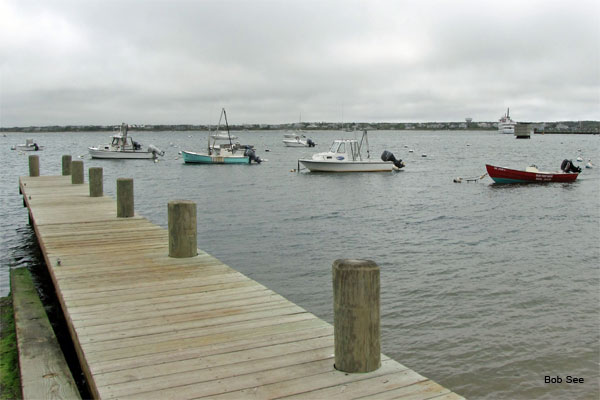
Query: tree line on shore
{"type": "Point", "coordinates": [559, 127]}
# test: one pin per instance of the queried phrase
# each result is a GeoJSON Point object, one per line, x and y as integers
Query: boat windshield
{"type": "Point", "coordinates": [334, 147]}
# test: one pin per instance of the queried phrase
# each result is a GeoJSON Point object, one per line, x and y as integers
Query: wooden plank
{"type": "Point", "coordinates": [206, 337]}
{"type": "Point", "coordinates": [129, 319]}
{"type": "Point", "coordinates": [232, 370]}
{"type": "Point", "coordinates": [44, 371]}
{"type": "Point", "coordinates": [142, 329]}
{"type": "Point", "coordinates": [219, 359]}
{"type": "Point", "coordinates": [419, 391]}
{"type": "Point", "coordinates": [292, 313]}
{"type": "Point", "coordinates": [406, 381]}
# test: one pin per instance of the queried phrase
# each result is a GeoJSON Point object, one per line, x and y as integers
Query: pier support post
{"type": "Point", "coordinates": [183, 240]}
{"type": "Point", "coordinates": [77, 172]}
{"type": "Point", "coordinates": [356, 321]}
{"type": "Point", "coordinates": [66, 165]}
{"type": "Point", "coordinates": [125, 198]}
{"type": "Point", "coordinates": [96, 184]}
{"type": "Point", "coordinates": [34, 166]}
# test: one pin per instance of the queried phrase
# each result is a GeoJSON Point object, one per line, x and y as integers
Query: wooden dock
{"type": "Point", "coordinates": [146, 325]}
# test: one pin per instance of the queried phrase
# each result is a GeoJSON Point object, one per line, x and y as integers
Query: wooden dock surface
{"type": "Point", "coordinates": [146, 325]}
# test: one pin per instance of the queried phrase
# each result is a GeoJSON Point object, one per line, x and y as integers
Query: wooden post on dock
{"type": "Point", "coordinates": [96, 184]}
{"type": "Point", "coordinates": [66, 165]}
{"type": "Point", "coordinates": [34, 166]}
{"type": "Point", "coordinates": [125, 207]}
{"type": "Point", "coordinates": [77, 172]}
{"type": "Point", "coordinates": [183, 240]}
{"type": "Point", "coordinates": [356, 315]}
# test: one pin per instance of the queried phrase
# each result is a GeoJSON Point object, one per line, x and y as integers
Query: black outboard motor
{"type": "Point", "coordinates": [388, 156]}
{"type": "Point", "coordinates": [310, 143]}
{"type": "Point", "coordinates": [252, 156]}
{"type": "Point", "coordinates": [568, 166]}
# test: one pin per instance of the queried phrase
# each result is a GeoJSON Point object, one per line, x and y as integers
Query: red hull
{"type": "Point", "coordinates": [506, 175]}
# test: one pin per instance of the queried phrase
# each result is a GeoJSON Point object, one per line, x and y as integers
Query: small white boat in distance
{"type": "Point", "coordinates": [291, 140]}
{"type": "Point", "coordinates": [345, 155]}
{"type": "Point", "coordinates": [29, 145]}
{"type": "Point", "coordinates": [223, 136]}
{"type": "Point", "coordinates": [124, 147]}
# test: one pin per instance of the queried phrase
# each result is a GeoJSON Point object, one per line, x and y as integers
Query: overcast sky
{"type": "Point", "coordinates": [170, 62]}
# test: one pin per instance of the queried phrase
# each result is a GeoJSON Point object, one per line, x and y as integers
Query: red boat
{"type": "Point", "coordinates": [568, 173]}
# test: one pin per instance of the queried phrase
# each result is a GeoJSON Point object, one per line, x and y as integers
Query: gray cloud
{"type": "Point", "coordinates": [102, 62]}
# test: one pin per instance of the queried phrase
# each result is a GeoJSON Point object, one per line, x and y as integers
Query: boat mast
{"type": "Point", "coordinates": [227, 125]}
{"type": "Point", "coordinates": [365, 139]}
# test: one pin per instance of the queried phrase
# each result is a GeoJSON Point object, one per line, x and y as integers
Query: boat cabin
{"type": "Point", "coordinates": [344, 150]}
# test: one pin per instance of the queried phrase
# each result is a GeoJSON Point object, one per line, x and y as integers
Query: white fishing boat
{"type": "Point", "coordinates": [297, 137]}
{"type": "Point", "coordinates": [506, 124]}
{"type": "Point", "coordinates": [29, 145]}
{"type": "Point", "coordinates": [345, 155]}
{"type": "Point", "coordinates": [124, 147]}
{"type": "Point", "coordinates": [226, 153]}
{"type": "Point", "coordinates": [295, 140]}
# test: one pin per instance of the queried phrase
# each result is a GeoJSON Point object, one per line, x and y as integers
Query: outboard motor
{"type": "Point", "coordinates": [155, 151]}
{"type": "Point", "coordinates": [568, 166]}
{"type": "Point", "coordinates": [136, 145]}
{"type": "Point", "coordinates": [388, 156]}
{"type": "Point", "coordinates": [310, 143]}
{"type": "Point", "coordinates": [252, 156]}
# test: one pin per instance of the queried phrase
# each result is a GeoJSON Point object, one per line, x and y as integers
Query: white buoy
{"type": "Point", "coordinates": [411, 151]}
{"type": "Point", "coordinates": [579, 159]}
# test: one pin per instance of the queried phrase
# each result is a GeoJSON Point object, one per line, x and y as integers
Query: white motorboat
{"type": "Point", "coordinates": [223, 136]}
{"type": "Point", "coordinates": [29, 145]}
{"type": "Point", "coordinates": [296, 140]}
{"type": "Point", "coordinates": [124, 147]}
{"type": "Point", "coordinates": [345, 155]}
{"type": "Point", "coordinates": [506, 124]}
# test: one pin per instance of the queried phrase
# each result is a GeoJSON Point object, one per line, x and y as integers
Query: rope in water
{"type": "Point", "coordinates": [474, 179]}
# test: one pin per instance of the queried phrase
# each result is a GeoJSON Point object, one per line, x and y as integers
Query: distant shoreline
{"type": "Point", "coordinates": [562, 127]}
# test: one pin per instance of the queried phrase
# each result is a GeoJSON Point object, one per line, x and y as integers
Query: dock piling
{"type": "Point", "coordinates": [66, 165]}
{"type": "Point", "coordinates": [125, 198]}
{"type": "Point", "coordinates": [34, 166]}
{"type": "Point", "coordinates": [77, 172]}
{"type": "Point", "coordinates": [183, 241]}
{"type": "Point", "coordinates": [96, 184]}
{"type": "Point", "coordinates": [356, 315]}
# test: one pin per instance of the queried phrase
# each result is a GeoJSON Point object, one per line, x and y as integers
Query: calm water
{"type": "Point", "coordinates": [486, 289]}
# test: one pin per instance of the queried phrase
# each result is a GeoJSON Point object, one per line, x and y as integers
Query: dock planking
{"type": "Point", "coordinates": [146, 325]}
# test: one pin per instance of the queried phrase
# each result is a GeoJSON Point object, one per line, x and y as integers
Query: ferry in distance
{"type": "Point", "coordinates": [506, 124]}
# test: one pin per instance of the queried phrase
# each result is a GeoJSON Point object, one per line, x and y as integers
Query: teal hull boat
{"type": "Point", "coordinates": [228, 153]}
{"type": "Point", "coordinates": [199, 158]}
